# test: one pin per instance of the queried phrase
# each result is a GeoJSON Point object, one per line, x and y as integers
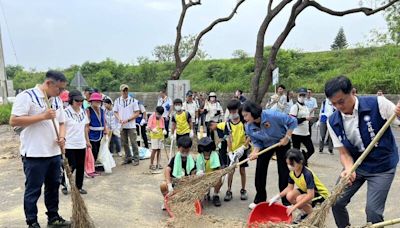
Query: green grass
{"type": "Point", "coordinates": [5, 113]}
{"type": "Point", "coordinates": [370, 69]}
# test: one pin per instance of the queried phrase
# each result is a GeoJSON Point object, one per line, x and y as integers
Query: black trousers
{"type": "Point", "coordinates": [76, 159]}
{"type": "Point", "coordinates": [143, 134]}
{"type": "Point", "coordinates": [95, 149]}
{"type": "Point", "coordinates": [307, 142]}
{"type": "Point", "coordinates": [262, 171]}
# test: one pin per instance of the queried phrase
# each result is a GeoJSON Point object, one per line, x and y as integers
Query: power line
{"type": "Point", "coordinates": [8, 31]}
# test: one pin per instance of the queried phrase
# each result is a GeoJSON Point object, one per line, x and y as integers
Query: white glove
{"type": "Point", "coordinates": [200, 173]}
{"type": "Point", "coordinates": [274, 199]}
{"type": "Point", "coordinates": [164, 132]}
{"type": "Point", "coordinates": [170, 188]}
{"type": "Point", "coordinates": [154, 130]}
{"type": "Point", "coordinates": [238, 153]}
{"type": "Point", "coordinates": [142, 122]}
{"type": "Point", "coordinates": [191, 134]}
{"type": "Point", "coordinates": [231, 157]}
{"type": "Point", "coordinates": [173, 136]}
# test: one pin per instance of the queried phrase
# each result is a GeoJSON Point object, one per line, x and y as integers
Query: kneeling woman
{"type": "Point", "coordinates": [309, 191]}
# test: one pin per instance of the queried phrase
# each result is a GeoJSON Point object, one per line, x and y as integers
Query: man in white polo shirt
{"type": "Point", "coordinates": [40, 148]}
{"type": "Point", "coordinates": [126, 110]}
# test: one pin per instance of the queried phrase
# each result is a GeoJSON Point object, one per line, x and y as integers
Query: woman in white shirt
{"type": "Point", "coordinates": [77, 138]}
{"type": "Point", "coordinates": [213, 110]}
{"type": "Point", "coordinates": [301, 134]}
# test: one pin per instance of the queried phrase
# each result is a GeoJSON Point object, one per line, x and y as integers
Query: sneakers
{"type": "Point", "coordinates": [159, 166]}
{"type": "Point", "coordinates": [120, 154]}
{"type": "Point", "coordinates": [64, 191]}
{"type": "Point", "coordinates": [82, 191]}
{"type": "Point", "coordinates": [252, 206]}
{"type": "Point", "coordinates": [163, 206]}
{"type": "Point", "coordinates": [58, 221]}
{"type": "Point", "coordinates": [299, 218]}
{"type": "Point", "coordinates": [243, 194]}
{"type": "Point", "coordinates": [152, 167]}
{"type": "Point", "coordinates": [216, 201]}
{"type": "Point", "coordinates": [228, 196]}
{"type": "Point", "coordinates": [135, 163]}
{"type": "Point", "coordinates": [34, 225]}
{"type": "Point", "coordinates": [331, 152]}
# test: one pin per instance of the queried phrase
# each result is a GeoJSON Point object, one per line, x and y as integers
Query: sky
{"type": "Point", "coordinates": [59, 33]}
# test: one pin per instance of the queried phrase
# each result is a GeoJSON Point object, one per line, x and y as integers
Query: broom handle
{"type": "Point", "coordinates": [372, 144]}
{"type": "Point", "coordinates": [385, 223]}
{"type": "Point", "coordinates": [259, 153]}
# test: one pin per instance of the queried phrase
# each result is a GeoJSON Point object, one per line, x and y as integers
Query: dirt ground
{"type": "Point", "coordinates": [130, 197]}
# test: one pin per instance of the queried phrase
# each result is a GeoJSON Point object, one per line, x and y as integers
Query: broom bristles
{"type": "Point", "coordinates": [80, 215]}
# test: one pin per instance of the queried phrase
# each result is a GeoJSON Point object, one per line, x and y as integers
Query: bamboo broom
{"type": "Point", "coordinates": [80, 215]}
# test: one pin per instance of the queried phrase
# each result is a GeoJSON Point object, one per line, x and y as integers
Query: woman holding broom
{"type": "Point", "coordinates": [352, 127]}
{"type": "Point", "coordinates": [40, 149]}
{"type": "Point", "coordinates": [266, 128]}
{"type": "Point", "coordinates": [77, 138]}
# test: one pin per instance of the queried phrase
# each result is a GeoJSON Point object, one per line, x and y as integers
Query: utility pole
{"type": "Point", "coordinates": [3, 76]}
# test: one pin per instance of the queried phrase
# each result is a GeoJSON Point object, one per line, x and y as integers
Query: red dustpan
{"type": "Point", "coordinates": [197, 206]}
{"type": "Point", "coordinates": [263, 213]}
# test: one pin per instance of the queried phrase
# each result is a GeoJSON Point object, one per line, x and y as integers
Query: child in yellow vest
{"type": "Point", "coordinates": [309, 190]}
{"type": "Point", "coordinates": [156, 126]}
{"type": "Point", "coordinates": [181, 122]}
{"type": "Point", "coordinates": [208, 161]}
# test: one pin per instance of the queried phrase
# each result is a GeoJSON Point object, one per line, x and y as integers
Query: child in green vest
{"type": "Point", "coordinates": [182, 164]}
{"type": "Point", "coordinates": [208, 161]}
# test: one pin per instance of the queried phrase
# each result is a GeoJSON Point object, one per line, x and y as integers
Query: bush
{"type": "Point", "coordinates": [5, 113]}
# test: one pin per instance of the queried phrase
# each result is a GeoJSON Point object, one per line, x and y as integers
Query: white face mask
{"type": "Point", "coordinates": [178, 107]}
{"type": "Point", "coordinates": [212, 98]}
{"type": "Point", "coordinates": [234, 116]}
{"type": "Point", "coordinates": [291, 168]}
{"type": "Point", "coordinates": [301, 99]}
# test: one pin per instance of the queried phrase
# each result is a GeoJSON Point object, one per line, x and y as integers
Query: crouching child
{"type": "Point", "coordinates": [208, 161]}
{"type": "Point", "coordinates": [182, 164]}
{"type": "Point", "coordinates": [309, 189]}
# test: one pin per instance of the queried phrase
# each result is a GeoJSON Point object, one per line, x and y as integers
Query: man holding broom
{"type": "Point", "coordinates": [352, 128]}
{"type": "Point", "coordinates": [40, 149]}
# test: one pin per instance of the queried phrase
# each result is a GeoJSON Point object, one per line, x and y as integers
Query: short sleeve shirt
{"type": "Point", "coordinates": [125, 109]}
{"type": "Point", "coordinates": [75, 123]}
{"type": "Point", "coordinates": [38, 139]}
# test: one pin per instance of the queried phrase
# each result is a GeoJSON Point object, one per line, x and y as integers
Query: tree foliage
{"type": "Point", "coordinates": [340, 41]}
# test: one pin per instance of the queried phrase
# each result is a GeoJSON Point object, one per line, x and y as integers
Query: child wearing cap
{"type": "Point", "coordinates": [157, 132]}
{"type": "Point", "coordinates": [309, 189]}
{"type": "Point", "coordinates": [182, 164]}
{"type": "Point", "coordinates": [114, 127]}
{"type": "Point", "coordinates": [208, 161]}
{"type": "Point", "coordinates": [181, 122]}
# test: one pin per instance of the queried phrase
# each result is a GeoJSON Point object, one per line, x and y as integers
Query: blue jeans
{"type": "Point", "coordinates": [39, 171]}
{"type": "Point", "coordinates": [115, 143]}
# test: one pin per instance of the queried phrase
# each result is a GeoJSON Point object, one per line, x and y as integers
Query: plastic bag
{"type": "Point", "coordinates": [105, 156]}
{"type": "Point", "coordinates": [89, 161]}
{"type": "Point", "coordinates": [144, 153]}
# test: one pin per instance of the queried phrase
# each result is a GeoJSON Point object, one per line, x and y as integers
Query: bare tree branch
{"type": "Point", "coordinates": [209, 28]}
{"type": "Point", "coordinates": [259, 55]}
{"type": "Point", "coordinates": [365, 10]}
{"type": "Point", "coordinates": [179, 65]}
{"type": "Point", "coordinates": [270, 6]}
{"type": "Point", "coordinates": [297, 8]}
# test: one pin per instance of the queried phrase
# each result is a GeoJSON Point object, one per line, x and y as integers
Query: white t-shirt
{"type": "Point", "coordinates": [300, 111]}
{"type": "Point", "coordinates": [350, 123]}
{"type": "Point", "coordinates": [38, 139]}
{"type": "Point", "coordinates": [125, 109]}
{"type": "Point", "coordinates": [311, 103]}
{"type": "Point", "coordinates": [75, 123]}
{"type": "Point", "coordinates": [164, 102]}
{"type": "Point", "coordinates": [212, 109]}
{"type": "Point", "coordinates": [191, 108]}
